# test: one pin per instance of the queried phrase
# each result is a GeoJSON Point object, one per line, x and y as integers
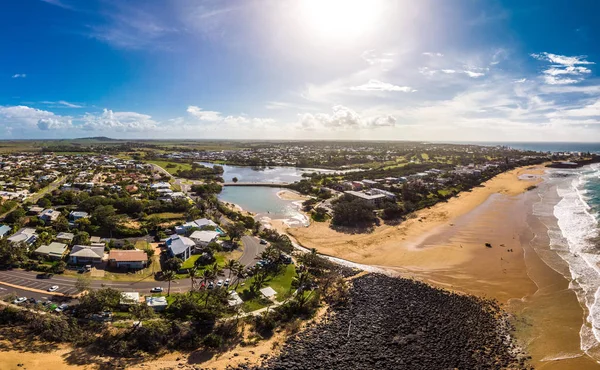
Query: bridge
{"type": "Point", "coordinates": [266, 184]}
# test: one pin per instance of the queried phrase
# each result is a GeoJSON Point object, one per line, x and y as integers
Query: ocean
{"type": "Point", "coordinates": [545, 146]}
{"type": "Point", "coordinates": [573, 199]}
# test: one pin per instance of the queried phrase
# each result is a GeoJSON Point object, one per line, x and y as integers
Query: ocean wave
{"type": "Point", "coordinates": [574, 242]}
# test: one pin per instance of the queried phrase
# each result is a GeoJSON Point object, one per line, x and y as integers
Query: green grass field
{"type": "Point", "coordinates": [171, 170]}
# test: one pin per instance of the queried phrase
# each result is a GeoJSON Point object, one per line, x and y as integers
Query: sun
{"type": "Point", "coordinates": [340, 19]}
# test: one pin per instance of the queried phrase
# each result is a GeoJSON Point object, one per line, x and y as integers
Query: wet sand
{"type": "Point", "coordinates": [445, 246]}
{"type": "Point", "coordinates": [291, 195]}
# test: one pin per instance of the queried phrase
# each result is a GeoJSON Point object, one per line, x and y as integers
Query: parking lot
{"type": "Point", "coordinates": [28, 280]}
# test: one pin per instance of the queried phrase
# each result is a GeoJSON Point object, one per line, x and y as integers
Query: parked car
{"type": "Point", "coordinates": [211, 285]}
{"type": "Point", "coordinates": [61, 308]}
{"type": "Point", "coordinates": [19, 300]}
{"type": "Point", "coordinates": [32, 300]}
{"type": "Point", "coordinates": [220, 283]}
{"type": "Point", "coordinates": [44, 276]}
{"type": "Point", "coordinates": [156, 290]}
{"type": "Point", "coordinates": [53, 288]}
{"type": "Point", "coordinates": [262, 241]}
{"type": "Point", "coordinates": [226, 283]}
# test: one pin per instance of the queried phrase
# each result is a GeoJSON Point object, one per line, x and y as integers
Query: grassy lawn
{"type": "Point", "coordinates": [255, 304]}
{"type": "Point", "coordinates": [189, 263]}
{"type": "Point", "coordinates": [173, 170]}
{"type": "Point", "coordinates": [281, 282]}
{"type": "Point", "coordinates": [168, 215]}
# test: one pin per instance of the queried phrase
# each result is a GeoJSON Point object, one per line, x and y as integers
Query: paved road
{"type": "Point", "coordinates": [252, 248]}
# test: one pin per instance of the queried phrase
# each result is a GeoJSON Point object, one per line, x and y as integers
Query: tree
{"type": "Point", "coordinates": [82, 284]}
{"type": "Point", "coordinates": [232, 266]}
{"type": "Point", "coordinates": [352, 212]}
{"type": "Point", "coordinates": [173, 264]}
{"type": "Point", "coordinates": [193, 274]}
{"type": "Point", "coordinates": [16, 217]}
{"type": "Point", "coordinates": [61, 224]}
{"type": "Point", "coordinates": [169, 276]}
{"type": "Point", "coordinates": [105, 217]}
{"type": "Point", "coordinates": [105, 299]}
{"type": "Point", "coordinates": [235, 230]}
{"type": "Point", "coordinates": [208, 274]}
{"type": "Point", "coordinates": [392, 211]}
{"type": "Point", "coordinates": [235, 179]}
{"type": "Point", "coordinates": [81, 238]}
{"type": "Point", "coordinates": [44, 203]}
{"type": "Point", "coordinates": [59, 267]}
{"type": "Point", "coordinates": [141, 312]}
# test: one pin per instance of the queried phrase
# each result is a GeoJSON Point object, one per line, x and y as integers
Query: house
{"type": "Point", "coordinates": [388, 194]}
{"type": "Point", "coordinates": [200, 223]}
{"type": "Point", "coordinates": [35, 210]}
{"type": "Point", "coordinates": [4, 230]}
{"type": "Point", "coordinates": [54, 251]}
{"type": "Point", "coordinates": [180, 247]}
{"type": "Point", "coordinates": [77, 215]}
{"type": "Point", "coordinates": [157, 303]}
{"type": "Point", "coordinates": [202, 238]}
{"type": "Point", "coordinates": [86, 254]}
{"type": "Point", "coordinates": [160, 185]}
{"type": "Point", "coordinates": [373, 199]}
{"type": "Point", "coordinates": [129, 298]}
{"type": "Point", "coordinates": [65, 237]}
{"type": "Point", "coordinates": [25, 235]}
{"type": "Point", "coordinates": [234, 299]}
{"type": "Point", "coordinates": [49, 215]}
{"type": "Point", "coordinates": [369, 183]}
{"type": "Point", "coordinates": [268, 292]}
{"type": "Point", "coordinates": [130, 259]}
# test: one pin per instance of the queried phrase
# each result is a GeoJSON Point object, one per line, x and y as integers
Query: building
{"type": "Point", "coordinates": [369, 183]}
{"type": "Point", "coordinates": [200, 223]}
{"type": "Point", "coordinates": [77, 215]}
{"type": "Point", "coordinates": [129, 298]}
{"type": "Point", "coordinates": [49, 215]}
{"type": "Point", "coordinates": [160, 185]}
{"type": "Point", "coordinates": [35, 210]}
{"type": "Point", "coordinates": [65, 237]}
{"type": "Point", "coordinates": [86, 254]}
{"type": "Point", "coordinates": [157, 303]}
{"type": "Point", "coordinates": [388, 194]}
{"type": "Point", "coordinates": [180, 247]}
{"type": "Point", "coordinates": [4, 230]}
{"type": "Point", "coordinates": [25, 235]}
{"type": "Point", "coordinates": [129, 259]}
{"type": "Point", "coordinates": [202, 238]}
{"type": "Point", "coordinates": [54, 251]}
{"type": "Point", "coordinates": [373, 199]}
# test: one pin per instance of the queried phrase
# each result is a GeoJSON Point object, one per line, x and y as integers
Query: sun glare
{"type": "Point", "coordinates": [340, 19]}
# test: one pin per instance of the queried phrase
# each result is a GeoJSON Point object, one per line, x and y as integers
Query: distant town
{"type": "Point", "coordinates": [137, 230]}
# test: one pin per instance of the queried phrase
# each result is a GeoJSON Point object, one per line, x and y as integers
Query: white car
{"type": "Point", "coordinates": [156, 290]}
{"type": "Point", "coordinates": [53, 288]}
{"type": "Point", "coordinates": [227, 282]}
{"type": "Point", "coordinates": [19, 300]}
{"type": "Point", "coordinates": [220, 283]}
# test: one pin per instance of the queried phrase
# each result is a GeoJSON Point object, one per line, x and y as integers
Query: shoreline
{"type": "Point", "coordinates": [444, 245]}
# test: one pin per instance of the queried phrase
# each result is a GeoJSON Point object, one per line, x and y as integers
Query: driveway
{"type": "Point", "coordinates": [252, 249]}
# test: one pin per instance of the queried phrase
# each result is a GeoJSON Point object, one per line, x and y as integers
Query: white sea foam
{"type": "Point", "coordinates": [577, 225]}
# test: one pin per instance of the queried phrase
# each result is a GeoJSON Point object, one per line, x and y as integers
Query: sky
{"type": "Point", "coordinates": [428, 70]}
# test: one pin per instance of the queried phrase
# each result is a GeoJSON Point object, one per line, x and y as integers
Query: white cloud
{"type": "Point", "coordinates": [19, 75]}
{"type": "Point", "coordinates": [473, 74]}
{"type": "Point", "coordinates": [118, 121]}
{"type": "Point", "coordinates": [371, 57]}
{"type": "Point", "coordinates": [53, 124]}
{"type": "Point", "coordinates": [204, 115]}
{"type": "Point", "coordinates": [61, 104]}
{"type": "Point", "coordinates": [22, 115]}
{"type": "Point", "coordinates": [448, 71]}
{"type": "Point", "coordinates": [376, 85]}
{"type": "Point", "coordinates": [565, 70]}
{"type": "Point", "coordinates": [429, 54]}
{"type": "Point", "coordinates": [343, 118]}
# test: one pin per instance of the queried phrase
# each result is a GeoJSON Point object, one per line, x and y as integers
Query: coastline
{"type": "Point", "coordinates": [445, 246]}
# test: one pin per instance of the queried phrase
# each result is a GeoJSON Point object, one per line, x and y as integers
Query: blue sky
{"type": "Point", "coordinates": [301, 69]}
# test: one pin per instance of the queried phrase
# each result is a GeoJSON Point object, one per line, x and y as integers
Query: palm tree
{"type": "Point", "coordinates": [169, 276]}
{"type": "Point", "coordinates": [233, 266]}
{"type": "Point", "coordinates": [193, 274]}
{"type": "Point", "coordinates": [208, 274]}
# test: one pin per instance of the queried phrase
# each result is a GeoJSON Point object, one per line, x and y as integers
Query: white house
{"type": "Point", "coordinates": [180, 247]}
{"type": "Point", "coordinates": [202, 238]}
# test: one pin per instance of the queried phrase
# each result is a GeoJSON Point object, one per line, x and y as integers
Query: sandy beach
{"type": "Point", "coordinates": [291, 195]}
{"type": "Point", "coordinates": [446, 246]}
